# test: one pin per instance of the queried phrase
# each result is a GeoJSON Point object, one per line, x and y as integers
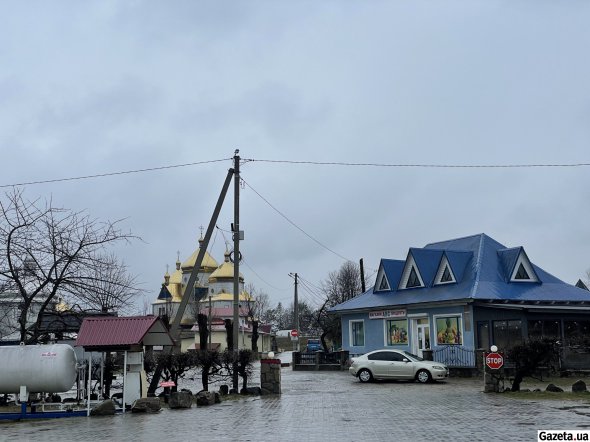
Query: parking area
{"type": "Point", "coordinates": [335, 406]}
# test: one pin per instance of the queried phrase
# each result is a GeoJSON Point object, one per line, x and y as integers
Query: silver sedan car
{"type": "Point", "coordinates": [396, 364]}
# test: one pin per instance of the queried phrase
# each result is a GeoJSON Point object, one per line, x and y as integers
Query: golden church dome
{"type": "Point", "coordinates": [225, 271]}
{"type": "Point", "coordinates": [62, 306]}
{"type": "Point", "coordinates": [208, 265]}
{"type": "Point", "coordinates": [176, 277]}
{"type": "Point", "coordinates": [223, 296]}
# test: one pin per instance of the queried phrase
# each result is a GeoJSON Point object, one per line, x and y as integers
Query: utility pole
{"type": "Point", "coordinates": [210, 329]}
{"type": "Point", "coordinates": [236, 236]}
{"type": "Point", "coordinates": [189, 289]}
{"type": "Point", "coordinates": [296, 311]}
{"type": "Point", "coordinates": [362, 267]}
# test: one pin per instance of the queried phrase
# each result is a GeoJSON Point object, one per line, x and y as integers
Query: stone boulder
{"type": "Point", "coordinates": [579, 387]}
{"type": "Point", "coordinates": [180, 399]}
{"type": "Point", "coordinates": [554, 388]}
{"type": "Point", "coordinates": [105, 408]}
{"type": "Point", "coordinates": [205, 398]}
{"type": "Point", "coordinates": [253, 391]}
{"type": "Point", "coordinates": [146, 405]}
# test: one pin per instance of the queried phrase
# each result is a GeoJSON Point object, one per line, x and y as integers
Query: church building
{"type": "Point", "coordinates": [214, 289]}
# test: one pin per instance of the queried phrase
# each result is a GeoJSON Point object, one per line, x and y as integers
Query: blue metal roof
{"type": "Point", "coordinates": [427, 262]}
{"type": "Point", "coordinates": [482, 268]}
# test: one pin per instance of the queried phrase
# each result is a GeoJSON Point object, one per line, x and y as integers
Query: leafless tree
{"type": "Point", "coordinates": [257, 311]}
{"type": "Point", "coordinates": [105, 285]}
{"type": "Point", "coordinates": [340, 286]}
{"type": "Point", "coordinates": [46, 250]}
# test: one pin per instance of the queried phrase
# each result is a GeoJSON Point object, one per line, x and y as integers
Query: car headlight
{"type": "Point", "coordinates": [439, 367]}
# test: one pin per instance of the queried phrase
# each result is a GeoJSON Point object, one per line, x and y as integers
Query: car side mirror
{"type": "Point", "coordinates": [406, 360]}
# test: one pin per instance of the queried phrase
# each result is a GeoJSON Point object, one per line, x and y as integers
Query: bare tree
{"type": "Point", "coordinates": [340, 286]}
{"type": "Point", "coordinates": [46, 251]}
{"type": "Point", "coordinates": [257, 311]}
{"type": "Point", "coordinates": [343, 284]}
{"type": "Point", "coordinates": [105, 285]}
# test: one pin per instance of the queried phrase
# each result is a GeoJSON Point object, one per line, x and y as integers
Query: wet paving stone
{"type": "Point", "coordinates": [326, 406]}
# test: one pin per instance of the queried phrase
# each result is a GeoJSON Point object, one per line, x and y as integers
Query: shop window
{"type": "Point", "coordinates": [544, 329]}
{"type": "Point", "coordinates": [507, 333]}
{"type": "Point", "coordinates": [357, 333]}
{"type": "Point", "coordinates": [448, 330]}
{"type": "Point", "coordinates": [483, 335]}
{"type": "Point", "coordinates": [397, 331]}
{"type": "Point", "coordinates": [577, 332]}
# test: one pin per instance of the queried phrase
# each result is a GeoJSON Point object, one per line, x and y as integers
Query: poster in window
{"type": "Point", "coordinates": [397, 332]}
{"type": "Point", "coordinates": [448, 330]}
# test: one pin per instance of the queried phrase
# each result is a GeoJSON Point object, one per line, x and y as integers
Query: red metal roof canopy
{"type": "Point", "coordinates": [120, 333]}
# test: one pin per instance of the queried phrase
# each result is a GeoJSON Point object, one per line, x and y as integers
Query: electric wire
{"type": "Point", "coordinates": [293, 224]}
{"type": "Point", "coordinates": [261, 278]}
{"type": "Point", "coordinates": [303, 162]}
{"type": "Point", "coordinates": [417, 165]}
{"type": "Point", "coordinates": [107, 174]}
{"type": "Point", "coordinates": [247, 265]}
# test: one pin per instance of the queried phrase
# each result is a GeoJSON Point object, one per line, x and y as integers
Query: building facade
{"type": "Point", "coordinates": [213, 291]}
{"type": "Point", "coordinates": [456, 296]}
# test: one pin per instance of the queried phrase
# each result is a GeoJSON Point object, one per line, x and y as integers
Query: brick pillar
{"type": "Point", "coordinates": [270, 376]}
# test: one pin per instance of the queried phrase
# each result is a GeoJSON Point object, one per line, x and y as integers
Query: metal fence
{"type": "Point", "coordinates": [320, 360]}
{"type": "Point", "coordinates": [574, 357]}
{"type": "Point", "coordinates": [454, 356]}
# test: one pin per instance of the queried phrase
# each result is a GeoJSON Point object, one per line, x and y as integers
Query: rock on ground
{"type": "Point", "coordinates": [105, 408]}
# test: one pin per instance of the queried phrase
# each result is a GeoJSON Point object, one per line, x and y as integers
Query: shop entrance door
{"type": "Point", "coordinates": [421, 335]}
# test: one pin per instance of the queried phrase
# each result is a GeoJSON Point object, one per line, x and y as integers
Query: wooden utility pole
{"type": "Point", "coordinates": [296, 311]}
{"type": "Point", "coordinates": [362, 267]}
{"type": "Point", "coordinates": [189, 290]}
{"type": "Point", "coordinates": [236, 236]}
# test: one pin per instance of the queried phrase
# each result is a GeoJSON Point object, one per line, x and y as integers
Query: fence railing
{"type": "Point", "coordinates": [454, 356]}
{"type": "Point", "coordinates": [574, 357]}
{"type": "Point", "coordinates": [320, 360]}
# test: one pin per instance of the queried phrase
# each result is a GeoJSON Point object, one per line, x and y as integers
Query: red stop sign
{"type": "Point", "coordinates": [494, 360]}
{"type": "Point", "coordinates": [294, 333]}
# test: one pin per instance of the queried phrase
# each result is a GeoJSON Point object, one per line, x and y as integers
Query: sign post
{"type": "Point", "coordinates": [494, 360]}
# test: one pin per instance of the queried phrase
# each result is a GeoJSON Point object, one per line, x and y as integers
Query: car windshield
{"type": "Point", "coordinates": [413, 356]}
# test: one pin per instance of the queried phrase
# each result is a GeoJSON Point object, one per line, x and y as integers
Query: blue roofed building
{"type": "Point", "coordinates": [456, 296]}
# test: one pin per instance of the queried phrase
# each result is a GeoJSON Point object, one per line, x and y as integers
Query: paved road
{"type": "Point", "coordinates": [325, 406]}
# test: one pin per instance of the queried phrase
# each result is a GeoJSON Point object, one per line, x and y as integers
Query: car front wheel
{"type": "Point", "coordinates": [365, 375]}
{"type": "Point", "coordinates": [423, 376]}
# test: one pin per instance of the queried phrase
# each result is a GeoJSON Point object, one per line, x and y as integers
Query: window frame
{"type": "Point", "coordinates": [460, 328]}
{"type": "Point", "coordinates": [351, 334]}
{"type": "Point", "coordinates": [387, 334]}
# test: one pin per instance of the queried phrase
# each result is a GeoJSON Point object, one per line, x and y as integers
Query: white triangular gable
{"type": "Point", "coordinates": [382, 283]}
{"type": "Point", "coordinates": [523, 270]}
{"type": "Point", "coordinates": [445, 274]}
{"type": "Point", "coordinates": [411, 277]}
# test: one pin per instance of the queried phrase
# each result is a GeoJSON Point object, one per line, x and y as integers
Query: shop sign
{"type": "Point", "coordinates": [383, 314]}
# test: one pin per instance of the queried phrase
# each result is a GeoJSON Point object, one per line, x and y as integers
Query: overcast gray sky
{"type": "Point", "coordinates": [95, 87]}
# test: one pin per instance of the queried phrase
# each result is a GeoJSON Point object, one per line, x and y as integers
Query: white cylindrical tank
{"type": "Point", "coordinates": [41, 368]}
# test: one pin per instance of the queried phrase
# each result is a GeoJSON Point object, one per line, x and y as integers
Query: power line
{"type": "Point", "coordinates": [125, 172]}
{"type": "Point", "coordinates": [314, 163]}
{"type": "Point", "coordinates": [416, 165]}
{"type": "Point", "coordinates": [261, 278]}
{"type": "Point", "coordinates": [247, 265]}
{"type": "Point", "coordinates": [292, 223]}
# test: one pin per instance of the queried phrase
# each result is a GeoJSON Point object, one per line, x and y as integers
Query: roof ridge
{"type": "Point", "coordinates": [456, 239]}
{"type": "Point", "coordinates": [478, 266]}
